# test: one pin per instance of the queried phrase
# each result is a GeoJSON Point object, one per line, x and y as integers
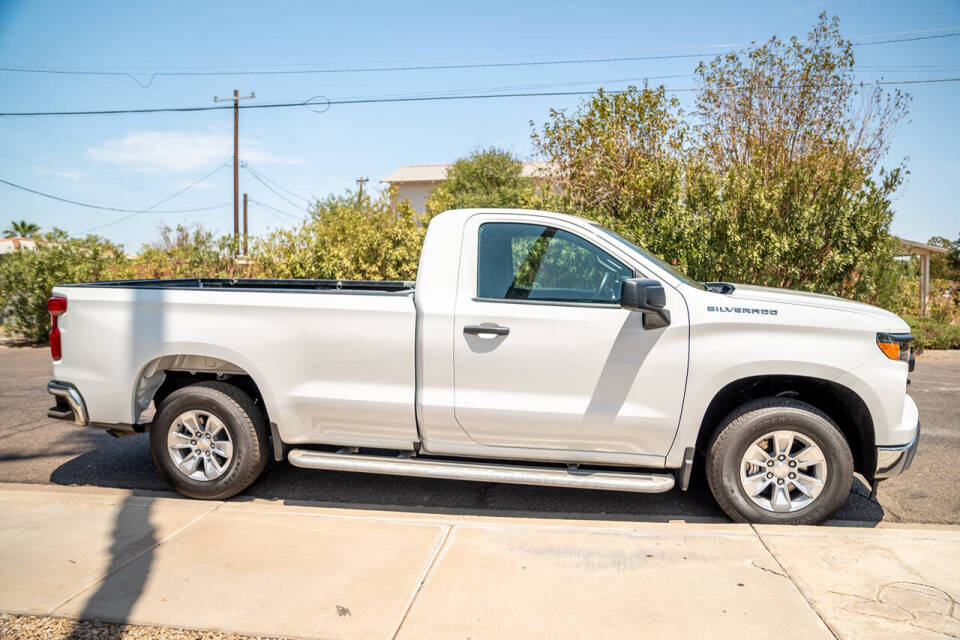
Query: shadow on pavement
{"type": "Point", "coordinates": [132, 530]}
{"type": "Point", "coordinates": [126, 463]}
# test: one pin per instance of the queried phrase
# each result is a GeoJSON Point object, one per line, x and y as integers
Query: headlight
{"type": "Point", "coordinates": [895, 346]}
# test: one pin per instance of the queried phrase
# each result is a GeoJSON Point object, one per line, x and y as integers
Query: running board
{"type": "Point", "coordinates": [480, 472]}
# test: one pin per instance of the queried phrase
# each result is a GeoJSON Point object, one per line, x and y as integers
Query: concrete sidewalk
{"type": "Point", "coordinates": [260, 567]}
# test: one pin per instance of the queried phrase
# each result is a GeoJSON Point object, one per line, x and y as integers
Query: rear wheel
{"type": "Point", "coordinates": [209, 440]}
{"type": "Point", "coordinates": [779, 461]}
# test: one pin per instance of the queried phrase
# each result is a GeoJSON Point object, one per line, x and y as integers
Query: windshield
{"type": "Point", "coordinates": [679, 275]}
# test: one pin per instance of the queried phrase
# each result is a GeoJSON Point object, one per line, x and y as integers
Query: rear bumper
{"type": "Point", "coordinates": [70, 404]}
{"type": "Point", "coordinates": [892, 461]}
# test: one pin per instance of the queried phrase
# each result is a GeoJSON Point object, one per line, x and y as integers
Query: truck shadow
{"type": "Point", "coordinates": [126, 464]}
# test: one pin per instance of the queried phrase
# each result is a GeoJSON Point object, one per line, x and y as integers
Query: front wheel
{"type": "Point", "coordinates": [209, 440]}
{"type": "Point", "coordinates": [779, 461]}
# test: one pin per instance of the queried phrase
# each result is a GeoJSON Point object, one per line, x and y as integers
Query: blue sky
{"type": "Point", "coordinates": [134, 161]}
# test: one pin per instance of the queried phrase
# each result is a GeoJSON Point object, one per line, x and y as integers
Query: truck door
{"type": "Point", "coordinates": [545, 357]}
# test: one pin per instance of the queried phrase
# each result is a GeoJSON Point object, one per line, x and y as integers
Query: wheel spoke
{"type": "Point", "coordinates": [209, 470]}
{"type": "Point", "coordinates": [215, 426]}
{"type": "Point", "coordinates": [177, 440]}
{"type": "Point", "coordinates": [190, 462]}
{"type": "Point", "coordinates": [810, 455]}
{"type": "Point", "coordinates": [782, 442]}
{"type": "Point", "coordinates": [755, 484]}
{"type": "Point", "coordinates": [189, 420]}
{"type": "Point", "coordinates": [780, 501]}
{"type": "Point", "coordinates": [212, 461]}
{"type": "Point", "coordinates": [223, 447]}
{"type": "Point", "coordinates": [756, 455]}
{"type": "Point", "coordinates": [808, 485]}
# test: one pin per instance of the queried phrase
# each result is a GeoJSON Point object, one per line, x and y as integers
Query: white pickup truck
{"type": "Point", "coordinates": [534, 348]}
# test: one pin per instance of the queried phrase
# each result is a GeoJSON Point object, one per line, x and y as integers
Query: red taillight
{"type": "Point", "coordinates": [57, 307]}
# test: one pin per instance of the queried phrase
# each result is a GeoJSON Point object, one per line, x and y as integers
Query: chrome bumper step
{"type": "Point", "coordinates": [70, 403]}
{"type": "Point", "coordinates": [483, 472]}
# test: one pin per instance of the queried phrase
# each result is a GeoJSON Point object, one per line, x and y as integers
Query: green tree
{"type": "Point", "coordinates": [486, 178]}
{"type": "Point", "coordinates": [378, 240]}
{"type": "Point", "coordinates": [619, 159]}
{"type": "Point", "coordinates": [27, 277]}
{"type": "Point", "coordinates": [774, 180]}
{"type": "Point", "coordinates": [21, 229]}
{"type": "Point", "coordinates": [945, 266]}
{"type": "Point", "coordinates": [954, 255]}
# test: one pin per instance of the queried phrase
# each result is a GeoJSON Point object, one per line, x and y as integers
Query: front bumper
{"type": "Point", "coordinates": [70, 404]}
{"type": "Point", "coordinates": [892, 461]}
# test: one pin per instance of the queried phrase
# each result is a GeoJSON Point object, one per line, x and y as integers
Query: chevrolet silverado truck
{"type": "Point", "coordinates": [533, 348]}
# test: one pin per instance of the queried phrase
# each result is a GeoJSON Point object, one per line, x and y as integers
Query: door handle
{"type": "Point", "coordinates": [479, 329]}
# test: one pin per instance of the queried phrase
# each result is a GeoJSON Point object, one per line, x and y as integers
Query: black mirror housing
{"type": "Point", "coordinates": [639, 294]}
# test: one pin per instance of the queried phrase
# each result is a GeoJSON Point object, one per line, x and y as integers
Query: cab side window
{"type": "Point", "coordinates": [517, 261]}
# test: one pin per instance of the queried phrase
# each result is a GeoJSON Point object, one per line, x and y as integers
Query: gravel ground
{"type": "Point", "coordinates": [43, 628]}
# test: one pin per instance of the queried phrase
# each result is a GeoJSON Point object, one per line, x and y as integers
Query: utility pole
{"type": "Point", "coordinates": [244, 224]}
{"type": "Point", "coordinates": [236, 158]}
{"type": "Point", "coordinates": [360, 182]}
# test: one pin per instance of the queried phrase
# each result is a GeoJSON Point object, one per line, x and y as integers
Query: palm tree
{"type": "Point", "coordinates": [22, 229]}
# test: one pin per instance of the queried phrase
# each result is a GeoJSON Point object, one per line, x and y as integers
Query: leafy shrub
{"type": "Point", "coordinates": [378, 240]}
{"type": "Point", "coordinates": [186, 253]}
{"type": "Point", "coordinates": [27, 277]}
{"type": "Point", "coordinates": [931, 334]}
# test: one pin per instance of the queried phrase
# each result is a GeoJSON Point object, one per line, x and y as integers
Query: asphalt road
{"type": "Point", "coordinates": [36, 449]}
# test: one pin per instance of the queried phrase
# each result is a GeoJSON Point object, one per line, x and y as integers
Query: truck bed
{"type": "Point", "coordinates": [262, 284]}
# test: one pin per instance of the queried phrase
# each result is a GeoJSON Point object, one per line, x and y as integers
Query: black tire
{"type": "Point", "coordinates": [245, 423]}
{"type": "Point", "coordinates": [753, 420]}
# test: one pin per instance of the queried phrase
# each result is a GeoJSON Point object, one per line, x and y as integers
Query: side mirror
{"type": "Point", "coordinates": [638, 294]}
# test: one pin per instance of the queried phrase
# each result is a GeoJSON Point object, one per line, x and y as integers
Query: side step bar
{"type": "Point", "coordinates": [481, 472]}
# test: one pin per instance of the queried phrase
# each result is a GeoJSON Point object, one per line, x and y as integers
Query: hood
{"type": "Point", "coordinates": [886, 320]}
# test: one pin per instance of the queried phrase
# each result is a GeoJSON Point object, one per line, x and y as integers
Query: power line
{"type": "Point", "coordinates": [275, 211]}
{"type": "Point", "coordinates": [261, 180]}
{"type": "Point", "coordinates": [375, 100]}
{"type": "Point", "coordinates": [276, 184]}
{"type": "Point", "coordinates": [339, 70]}
{"type": "Point", "coordinates": [134, 214]}
{"type": "Point", "coordinates": [83, 175]}
{"type": "Point", "coordinates": [152, 76]}
{"type": "Point", "coordinates": [94, 206]}
{"type": "Point", "coordinates": [942, 35]}
{"type": "Point", "coordinates": [904, 33]}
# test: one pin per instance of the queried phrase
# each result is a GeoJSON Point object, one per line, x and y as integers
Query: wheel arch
{"type": "Point", "coordinates": [840, 403]}
{"type": "Point", "coordinates": [163, 375]}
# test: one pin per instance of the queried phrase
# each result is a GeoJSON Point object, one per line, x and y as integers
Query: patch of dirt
{"type": "Point", "coordinates": [44, 628]}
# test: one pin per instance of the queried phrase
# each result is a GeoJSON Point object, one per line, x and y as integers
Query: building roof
{"type": "Point", "coordinates": [438, 172]}
{"type": "Point", "coordinates": [909, 247]}
{"type": "Point", "coordinates": [9, 245]}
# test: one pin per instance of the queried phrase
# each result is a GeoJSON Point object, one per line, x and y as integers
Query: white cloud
{"type": "Point", "coordinates": [173, 152]}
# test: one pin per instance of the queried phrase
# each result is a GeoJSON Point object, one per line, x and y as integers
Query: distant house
{"type": "Point", "coordinates": [416, 182]}
{"type": "Point", "coordinates": [925, 251]}
{"type": "Point", "coordinates": [9, 245]}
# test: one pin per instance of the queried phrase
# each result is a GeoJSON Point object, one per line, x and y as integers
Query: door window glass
{"type": "Point", "coordinates": [538, 263]}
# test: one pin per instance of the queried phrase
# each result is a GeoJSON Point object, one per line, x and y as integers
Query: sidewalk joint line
{"type": "Point", "coordinates": [796, 586]}
{"type": "Point", "coordinates": [423, 578]}
{"type": "Point", "coordinates": [119, 567]}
